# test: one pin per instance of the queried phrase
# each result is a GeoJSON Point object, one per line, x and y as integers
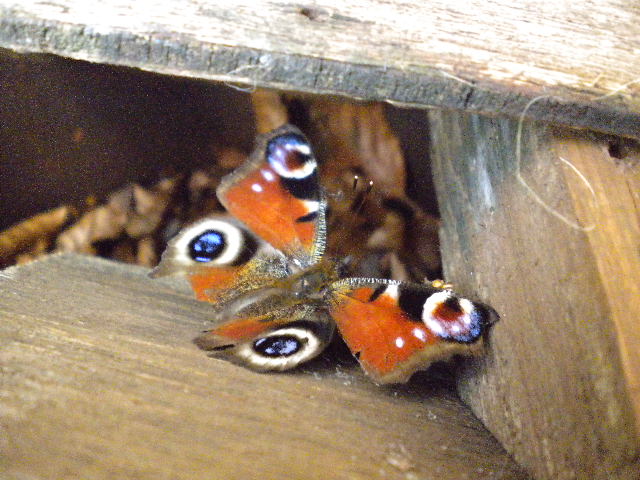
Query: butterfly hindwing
{"type": "Point", "coordinates": [275, 341]}
{"type": "Point", "coordinates": [395, 329]}
{"type": "Point", "coordinates": [277, 195]}
{"type": "Point", "coordinates": [221, 259]}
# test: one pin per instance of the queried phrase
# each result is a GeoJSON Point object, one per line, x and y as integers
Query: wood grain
{"type": "Point", "coordinates": [490, 57]}
{"type": "Point", "coordinates": [614, 210]}
{"type": "Point", "coordinates": [559, 386]}
{"type": "Point", "coordinates": [100, 380]}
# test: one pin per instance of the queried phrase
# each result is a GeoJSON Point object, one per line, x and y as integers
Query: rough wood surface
{"type": "Point", "coordinates": [559, 387]}
{"type": "Point", "coordinates": [100, 380]}
{"type": "Point", "coordinates": [490, 57]}
{"type": "Point", "coordinates": [615, 211]}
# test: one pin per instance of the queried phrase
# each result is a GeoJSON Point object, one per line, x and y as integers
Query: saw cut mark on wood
{"type": "Point", "coordinates": [490, 57]}
{"type": "Point", "coordinates": [100, 380]}
{"type": "Point", "coordinates": [558, 387]}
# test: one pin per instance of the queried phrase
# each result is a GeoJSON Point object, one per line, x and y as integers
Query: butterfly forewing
{"type": "Point", "coordinates": [397, 328]}
{"type": "Point", "coordinates": [278, 196]}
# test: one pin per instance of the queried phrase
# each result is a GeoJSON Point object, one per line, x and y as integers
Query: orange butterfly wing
{"type": "Point", "coordinates": [395, 329]}
{"type": "Point", "coordinates": [277, 195]}
{"type": "Point", "coordinates": [221, 259]}
{"type": "Point", "coordinates": [392, 328]}
{"type": "Point", "coordinates": [273, 341]}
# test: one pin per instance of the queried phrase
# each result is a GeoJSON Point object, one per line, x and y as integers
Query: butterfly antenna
{"type": "Point", "coordinates": [369, 187]}
{"type": "Point", "coordinates": [362, 197]}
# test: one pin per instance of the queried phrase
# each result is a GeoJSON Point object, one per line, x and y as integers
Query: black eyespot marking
{"type": "Point", "coordinates": [377, 292]}
{"type": "Point", "coordinates": [249, 249]}
{"type": "Point", "coordinates": [290, 157]}
{"type": "Point", "coordinates": [482, 317]}
{"type": "Point", "coordinates": [470, 333]}
{"type": "Point", "coordinates": [278, 346]}
{"type": "Point", "coordinates": [453, 303]}
{"type": "Point", "coordinates": [309, 217]}
{"type": "Point", "coordinates": [455, 325]}
{"type": "Point", "coordinates": [207, 246]}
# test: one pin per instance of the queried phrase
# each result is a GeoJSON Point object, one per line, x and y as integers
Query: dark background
{"type": "Point", "coordinates": [71, 129]}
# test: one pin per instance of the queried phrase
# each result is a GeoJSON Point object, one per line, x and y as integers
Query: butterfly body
{"type": "Point", "coordinates": [277, 298]}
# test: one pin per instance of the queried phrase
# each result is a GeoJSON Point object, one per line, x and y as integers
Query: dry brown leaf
{"type": "Point", "coordinates": [355, 138]}
{"type": "Point", "coordinates": [412, 235]}
{"type": "Point", "coordinates": [202, 199]}
{"type": "Point", "coordinates": [229, 158]}
{"type": "Point", "coordinates": [123, 250]}
{"type": "Point", "coordinates": [149, 207]}
{"type": "Point", "coordinates": [358, 137]}
{"type": "Point", "coordinates": [199, 181]}
{"type": "Point", "coordinates": [32, 231]}
{"type": "Point", "coordinates": [38, 249]}
{"type": "Point", "coordinates": [422, 246]}
{"type": "Point", "coordinates": [389, 236]}
{"type": "Point", "coordinates": [146, 255]}
{"type": "Point", "coordinates": [269, 110]}
{"type": "Point", "coordinates": [348, 138]}
{"type": "Point", "coordinates": [130, 213]}
{"type": "Point", "coordinates": [106, 222]}
{"type": "Point", "coordinates": [397, 269]}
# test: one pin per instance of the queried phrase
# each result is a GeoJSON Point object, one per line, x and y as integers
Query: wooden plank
{"type": "Point", "coordinates": [100, 380]}
{"type": "Point", "coordinates": [614, 208]}
{"type": "Point", "coordinates": [559, 386]}
{"type": "Point", "coordinates": [490, 57]}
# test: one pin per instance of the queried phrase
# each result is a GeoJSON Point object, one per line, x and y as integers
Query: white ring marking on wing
{"type": "Point", "coordinates": [310, 347]}
{"type": "Point", "coordinates": [232, 235]}
{"type": "Point", "coordinates": [305, 170]}
{"type": "Point", "coordinates": [430, 306]}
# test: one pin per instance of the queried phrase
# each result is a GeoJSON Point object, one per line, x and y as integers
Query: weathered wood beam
{"type": "Point", "coordinates": [100, 380]}
{"type": "Point", "coordinates": [551, 241]}
{"type": "Point", "coordinates": [489, 57]}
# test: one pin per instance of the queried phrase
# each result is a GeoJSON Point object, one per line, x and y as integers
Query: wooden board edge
{"type": "Point", "coordinates": [422, 86]}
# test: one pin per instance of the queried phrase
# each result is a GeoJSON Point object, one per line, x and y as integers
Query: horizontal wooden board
{"type": "Point", "coordinates": [491, 57]}
{"type": "Point", "coordinates": [100, 380]}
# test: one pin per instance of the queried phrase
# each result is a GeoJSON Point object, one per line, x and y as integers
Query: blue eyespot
{"type": "Point", "coordinates": [207, 246]}
{"type": "Point", "coordinates": [289, 141]}
{"type": "Point", "coordinates": [287, 153]}
{"type": "Point", "coordinates": [277, 346]}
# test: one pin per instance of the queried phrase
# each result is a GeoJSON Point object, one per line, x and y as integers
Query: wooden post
{"type": "Point", "coordinates": [556, 253]}
{"type": "Point", "coordinates": [100, 380]}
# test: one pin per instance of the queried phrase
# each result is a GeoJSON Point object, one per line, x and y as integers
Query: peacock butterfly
{"type": "Point", "coordinates": [277, 299]}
